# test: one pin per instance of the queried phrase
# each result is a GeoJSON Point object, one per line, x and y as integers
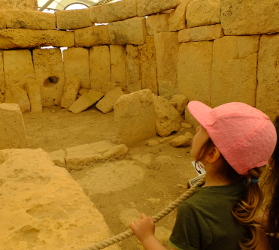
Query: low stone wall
{"type": "Point", "coordinates": [215, 51]}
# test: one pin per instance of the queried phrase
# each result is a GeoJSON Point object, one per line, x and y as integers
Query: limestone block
{"type": "Point", "coordinates": [18, 95]}
{"type": "Point", "coordinates": [148, 69]}
{"type": "Point", "coordinates": [168, 119]}
{"type": "Point", "coordinates": [147, 7]}
{"type": "Point", "coordinates": [130, 31]}
{"type": "Point", "coordinates": [234, 70]}
{"type": "Point", "coordinates": [118, 64]}
{"type": "Point", "coordinates": [12, 129]}
{"type": "Point", "coordinates": [177, 19]}
{"type": "Point", "coordinates": [58, 157]}
{"type": "Point", "coordinates": [111, 12]}
{"type": "Point", "coordinates": [133, 79]}
{"type": "Point", "coordinates": [49, 72]}
{"type": "Point", "coordinates": [92, 36]}
{"type": "Point", "coordinates": [25, 38]}
{"type": "Point", "coordinates": [116, 152]}
{"type": "Point", "coordinates": [167, 46]}
{"type": "Point", "coordinates": [203, 12]}
{"type": "Point", "coordinates": [99, 58]}
{"type": "Point", "coordinates": [27, 19]}
{"type": "Point", "coordinates": [134, 117]}
{"type": "Point", "coordinates": [182, 140]}
{"type": "Point", "coordinates": [106, 103]}
{"type": "Point", "coordinates": [179, 102]}
{"type": "Point", "coordinates": [2, 78]}
{"type": "Point", "coordinates": [249, 17]}
{"type": "Point", "coordinates": [3, 22]}
{"type": "Point", "coordinates": [42, 207]}
{"type": "Point", "coordinates": [202, 33]}
{"type": "Point", "coordinates": [157, 23]}
{"type": "Point", "coordinates": [23, 4]}
{"type": "Point", "coordinates": [34, 93]}
{"type": "Point", "coordinates": [102, 146]}
{"type": "Point", "coordinates": [73, 57]}
{"type": "Point", "coordinates": [72, 19]}
{"type": "Point", "coordinates": [70, 93]}
{"type": "Point", "coordinates": [194, 70]}
{"type": "Point", "coordinates": [267, 98]}
{"type": "Point", "coordinates": [18, 67]}
{"type": "Point", "coordinates": [85, 101]}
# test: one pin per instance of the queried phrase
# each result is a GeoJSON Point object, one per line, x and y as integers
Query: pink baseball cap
{"type": "Point", "coordinates": [244, 135]}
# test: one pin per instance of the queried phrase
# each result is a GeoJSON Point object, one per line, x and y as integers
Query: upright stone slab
{"type": "Point", "coordinates": [18, 95]}
{"type": "Point", "coordinates": [177, 19]}
{"type": "Point", "coordinates": [73, 57]}
{"type": "Point", "coordinates": [133, 79]}
{"type": "Point", "coordinates": [72, 19]}
{"type": "Point", "coordinates": [249, 17]}
{"type": "Point", "coordinates": [42, 207]}
{"type": "Point", "coordinates": [234, 70]}
{"type": "Point", "coordinates": [3, 22]}
{"type": "Point", "coordinates": [118, 65]}
{"type": "Point", "coordinates": [147, 7]}
{"type": "Point", "coordinates": [92, 36]}
{"type": "Point", "coordinates": [130, 31]}
{"type": "Point", "coordinates": [99, 66]}
{"type": "Point", "coordinates": [194, 70]}
{"type": "Point", "coordinates": [148, 69]}
{"type": "Point", "coordinates": [111, 12]}
{"type": "Point", "coordinates": [12, 129]}
{"type": "Point", "coordinates": [267, 98]}
{"type": "Point", "coordinates": [49, 71]}
{"type": "Point", "coordinates": [2, 78]}
{"type": "Point", "coordinates": [134, 117]}
{"type": "Point", "coordinates": [167, 46]}
{"type": "Point", "coordinates": [157, 23]}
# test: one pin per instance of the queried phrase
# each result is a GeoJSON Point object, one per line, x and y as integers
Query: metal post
{"type": "Point", "coordinates": [46, 5]}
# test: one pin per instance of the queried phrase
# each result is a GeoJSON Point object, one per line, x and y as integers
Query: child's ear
{"type": "Point", "coordinates": [213, 155]}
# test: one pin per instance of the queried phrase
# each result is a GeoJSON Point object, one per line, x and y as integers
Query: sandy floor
{"type": "Point", "coordinates": [117, 188]}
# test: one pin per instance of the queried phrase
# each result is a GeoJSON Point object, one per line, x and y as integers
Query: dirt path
{"type": "Point", "coordinates": [147, 180]}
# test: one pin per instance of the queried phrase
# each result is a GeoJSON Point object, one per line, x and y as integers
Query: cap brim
{"type": "Point", "coordinates": [199, 111]}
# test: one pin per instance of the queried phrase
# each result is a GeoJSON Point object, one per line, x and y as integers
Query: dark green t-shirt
{"type": "Point", "coordinates": [205, 221]}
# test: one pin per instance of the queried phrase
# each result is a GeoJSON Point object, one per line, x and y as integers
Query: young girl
{"type": "Point", "coordinates": [233, 142]}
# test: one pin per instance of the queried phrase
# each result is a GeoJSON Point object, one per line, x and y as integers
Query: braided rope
{"type": "Point", "coordinates": [128, 233]}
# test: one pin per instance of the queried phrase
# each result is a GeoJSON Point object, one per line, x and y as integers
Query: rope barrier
{"type": "Point", "coordinates": [128, 233]}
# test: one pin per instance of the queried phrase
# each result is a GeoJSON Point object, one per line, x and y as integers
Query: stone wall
{"type": "Point", "coordinates": [214, 51]}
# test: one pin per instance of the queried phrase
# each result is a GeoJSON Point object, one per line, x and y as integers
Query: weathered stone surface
{"type": "Point", "coordinates": [147, 7]}
{"type": "Point", "coordinates": [2, 78]}
{"type": "Point", "coordinates": [167, 46]}
{"type": "Point", "coordinates": [34, 93]}
{"type": "Point", "coordinates": [267, 98]}
{"type": "Point", "coordinates": [111, 12]}
{"type": "Point", "coordinates": [177, 19]}
{"type": "Point", "coordinates": [203, 12]}
{"type": "Point", "coordinates": [3, 22]}
{"type": "Point", "coordinates": [106, 103]}
{"type": "Point", "coordinates": [167, 117]}
{"type": "Point", "coordinates": [194, 70]}
{"type": "Point", "coordinates": [23, 4]}
{"type": "Point", "coordinates": [234, 69]}
{"type": "Point", "coordinates": [85, 101]}
{"type": "Point", "coordinates": [12, 129]}
{"type": "Point", "coordinates": [70, 93]}
{"type": "Point", "coordinates": [134, 117]}
{"type": "Point", "coordinates": [118, 64]}
{"type": "Point", "coordinates": [18, 95]}
{"type": "Point", "coordinates": [203, 33]}
{"type": "Point", "coordinates": [49, 72]}
{"type": "Point", "coordinates": [130, 31]}
{"type": "Point", "coordinates": [25, 38]}
{"type": "Point", "coordinates": [157, 24]}
{"type": "Point", "coordinates": [58, 157]}
{"type": "Point", "coordinates": [91, 36]}
{"type": "Point", "coordinates": [27, 19]}
{"type": "Point", "coordinates": [99, 58]}
{"type": "Point", "coordinates": [42, 207]}
{"type": "Point", "coordinates": [249, 17]}
{"type": "Point", "coordinates": [133, 79]}
{"type": "Point", "coordinates": [179, 102]}
{"type": "Point", "coordinates": [182, 140]}
{"type": "Point", "coordinates": [148, 68]}
{"type": "Point", "coordinates": [72, 19]}
{"type": "Point", "coordinates": [116, 152]}
{"type": "Point", "coordinates": [72, 58]}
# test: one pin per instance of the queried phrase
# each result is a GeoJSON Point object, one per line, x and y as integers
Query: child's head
{"type": "Point", "coordinates": [244, 135]}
